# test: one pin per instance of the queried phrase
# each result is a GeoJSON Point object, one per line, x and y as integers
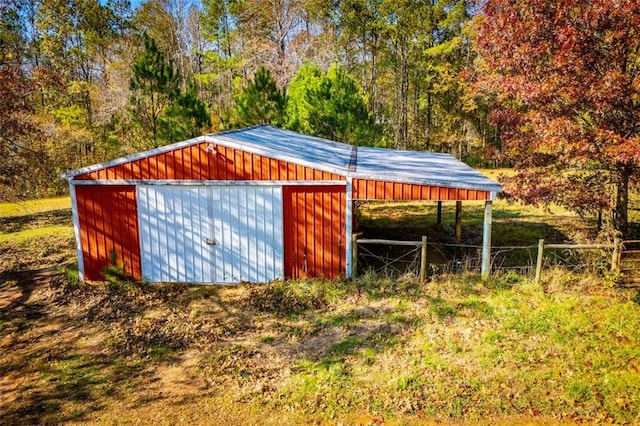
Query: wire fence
{"type": "Point", "coordinates": [441, 258]}
{"type": "Point", "coordinates": [390, 262]}
{"type": "Point", "coordinates": [459, 258]}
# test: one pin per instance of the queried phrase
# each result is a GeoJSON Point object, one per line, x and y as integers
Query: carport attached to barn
{"type": "Point", "coordinates": [254, 204]}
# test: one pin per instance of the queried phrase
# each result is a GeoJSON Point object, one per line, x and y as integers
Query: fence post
{"type": "Point", "coordinates": [423, 260]}
{"type": "Point", "coordinates": [615, 257]}
{"type": "Point", "coordinates": [539, 261]}
{"type": "Point", "coordinates": [354, 255]}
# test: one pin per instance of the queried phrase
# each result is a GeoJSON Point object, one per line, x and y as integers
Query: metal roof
{"type": "Point", "coordinates": [419, 167]}
{"type": "Point", "coordinates": [290, 146]}
{"type": "Point", "coordinates": [424, 168]}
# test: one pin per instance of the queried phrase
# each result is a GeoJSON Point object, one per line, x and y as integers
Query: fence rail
{"type": "Point", "coordinates": [528, 259]}
{"type": "Point", "coordinates": [542, 246]}
{"type": "Point", "coordinates": [389, 242]}
{"type": "Point", "coordinates": [419, 247]}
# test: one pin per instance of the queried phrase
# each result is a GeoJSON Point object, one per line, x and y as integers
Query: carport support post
{"type": "Point", "coordinates": [349, 228]}
{"type": "Point", "coordinates": [458, 222]}
{"type": "Point", "coordinates": [486, 241]}
{"type": "Point", "coordinates": [354, 255]}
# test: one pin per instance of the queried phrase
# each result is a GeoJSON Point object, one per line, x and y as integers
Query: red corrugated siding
{"type": "Point", "coordinates": [108, 221]}
{"type": "Point", "coordinates": [195, 162]}
{"type": "Point", "coordinates": [314, 216]}
{"type": "Point", "coordinates": [314, 231]}
{"type": "Point", "coordinates": [365, 189]}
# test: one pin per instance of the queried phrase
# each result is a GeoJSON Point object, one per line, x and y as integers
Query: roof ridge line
{"type": "Point", "coordinates": [226, 132]}
{"type": "Point", "coordinates": [353, 159]}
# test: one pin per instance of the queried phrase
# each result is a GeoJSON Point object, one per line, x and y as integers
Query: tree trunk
{"type": "Point", "coordinates": [621, 218]}
{"type": "Point", "coordinates": [373, 101]}
{"type": "Point", "coordinates": [427, 139]}
{"type": "Point", "coordinates": [402, 97]}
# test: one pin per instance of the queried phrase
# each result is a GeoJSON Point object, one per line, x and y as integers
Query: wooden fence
{"type": "Point", "coordinates": [615, 256]}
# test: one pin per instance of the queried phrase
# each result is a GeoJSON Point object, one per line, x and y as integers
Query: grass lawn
{"type": "Point", "coordinates": [513, 223]}
{"type": "Point", "coordinates": [30, 207]}
{"type": "Point", "coordinates": [35, 234]}
{"type": "Point", "coordinates": [363, 352]}
{"type": "Point", "coordinates": [370, 351]}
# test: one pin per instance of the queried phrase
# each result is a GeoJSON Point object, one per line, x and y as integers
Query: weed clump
{"type": "Point", "coordinates": [116, 277]}
{"type": "Point", "coordinates": [285, 298]}
{"type": "Point", "coordinates": [507, 280]}
{"type": "Point", "coordinates": [71, 276]}
{"type": "Point", "coordinates": [376, 285]}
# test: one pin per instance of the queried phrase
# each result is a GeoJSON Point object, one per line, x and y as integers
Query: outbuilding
{"type": "Point", "coordinates": [250, 205]}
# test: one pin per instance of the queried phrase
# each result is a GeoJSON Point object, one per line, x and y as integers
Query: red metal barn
{"type": "Point", "coordinates": [251, 205]}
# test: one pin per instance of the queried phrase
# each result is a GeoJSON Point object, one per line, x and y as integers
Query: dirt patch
{"type": "Point", "coordinates": [70, 353]}
{"type": "Point", "coordinates": [180, 378]}
{"type": "Point", "coordinates": [9, 389]}
{"type": "Point", "coordinates": [36, 254]}
{"type": "Point", "coordinates": [24, 323]}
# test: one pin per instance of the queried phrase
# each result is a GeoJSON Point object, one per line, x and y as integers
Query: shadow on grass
{"type": "Point", "coordinates": [414, 214]}
{"type": "Point", "coordinates": [23, 283]}
{"type": "Point", "coordinates": [316, 331]}
{"type": "Point", "coordinates": [55, 376]}
{"type": "Point", "coordinates": [19, 223]}
{"type": "Point", "coordinates": [503, 233]}
{"type": "Point", "coordinates": [58, 375]}
{"type": "Point", "coordinates": [373, 341]}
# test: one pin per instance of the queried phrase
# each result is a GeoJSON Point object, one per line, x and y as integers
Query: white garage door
{"type": "Point", "coordinates": [211, 234]}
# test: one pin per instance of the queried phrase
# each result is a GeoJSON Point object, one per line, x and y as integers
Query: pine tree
{"type": "Point", "coordinates": [187, 116]}
{"type": "Point", "coordinates": [308, 78]}
{"type": "Point", "coordinates": [260, 102]}
{"type": "Point", "coordinates": [330, 105]}
{"type": "Point", "coordinates": [154, 85]}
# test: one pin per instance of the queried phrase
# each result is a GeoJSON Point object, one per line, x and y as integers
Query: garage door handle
{"type": "Point", "coordinates": [211, 243]}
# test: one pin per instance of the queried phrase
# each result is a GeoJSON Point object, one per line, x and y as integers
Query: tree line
{"type": "Point", "coordinates": [552, 89]}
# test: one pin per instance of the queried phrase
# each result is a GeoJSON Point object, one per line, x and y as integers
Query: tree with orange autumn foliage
{"type": "Point", "coordinates": [16, 126]}
{"type": "Point", "coordinates": [566, 75]}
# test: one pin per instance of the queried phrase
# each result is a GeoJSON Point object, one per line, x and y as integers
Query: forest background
{"type": "Point", "coordinates": [550, 89]}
